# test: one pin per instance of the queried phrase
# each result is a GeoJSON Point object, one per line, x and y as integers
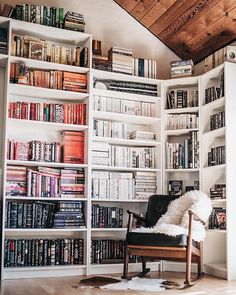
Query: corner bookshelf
{"type": "Point", "coordinates": [27, 130]}
{"type": "Point", "coordinates": [219, 244]}
{"type": "Point", "coordinates": [180, 120]}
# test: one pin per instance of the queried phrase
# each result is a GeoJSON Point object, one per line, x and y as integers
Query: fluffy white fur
{"type": "Point", "coordinates": [175, 221]}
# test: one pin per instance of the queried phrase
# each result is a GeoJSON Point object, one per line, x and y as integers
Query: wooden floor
{"type": "Point", "coordinates": [66, 286]}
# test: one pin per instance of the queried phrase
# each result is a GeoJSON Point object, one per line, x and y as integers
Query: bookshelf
{"type": "Point", "coordinates": [151, 119]}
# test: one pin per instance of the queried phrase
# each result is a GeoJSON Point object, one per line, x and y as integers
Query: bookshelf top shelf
{"type": "Point", "coordinates": [182, 110]}
{"type": "Point", "coordinates": [214, 105]}
{"type": "Point", "coordinates": [130, 142]}
{"type": "Point", "coordinates": [49, 33]}
{"type": "Point", "coordinates": [40, 92]}
{"type": "Point", "coordinates": [98, 74]}
{"type": "Point", "coordinates": [34, 63]}
{"type": "Point", "coordinates": [126, 95]}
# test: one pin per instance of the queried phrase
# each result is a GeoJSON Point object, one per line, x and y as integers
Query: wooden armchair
{"type": "Point", "coordinates": [180, 248]}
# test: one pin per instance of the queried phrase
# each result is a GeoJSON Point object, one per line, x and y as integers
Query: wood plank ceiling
{"type": "Point", "coordinates": [191, 28]}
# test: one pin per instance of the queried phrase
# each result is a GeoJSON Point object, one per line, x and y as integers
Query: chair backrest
{"type": "Point", "coordinates": [157, 206]}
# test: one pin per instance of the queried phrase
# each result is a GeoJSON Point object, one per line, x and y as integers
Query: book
{"type": "Point", "coordinates": [175, 187]}
{"type": "Point", "coordinates": [73, 147]}
{"type": "Point", "coordinates": [106, 217]}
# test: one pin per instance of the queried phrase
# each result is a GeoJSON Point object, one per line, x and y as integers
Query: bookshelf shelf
{"type": "Point", "coordinates": [49, 126]}
{"type": "Point", "coordinates": [215, 133]}
{"type": "Point", "coordinates": [181, 110]}
{"type": "Point", "coordinates": [41, 231]}
{"type": "Point", "coordinates": [223, 231]}
{"type": "Point", "coordinates": [44, 199]}
{"type": "Point", "coordinates": [125, 118]}
{"type": "Point", "coordinates": [186, 170]}
{"type": "Point", "coordinates": [179, 132]}
{"type": "Point", "coordinates": [40, 92]}
{"type": "Point", "coordinates": [50, 267]}
{"type": "Point", "coordinates": [130, 142]}
{"type": "Point", "coordinates": [46, 164]}
{"type": "Point", "coordinates": [125, 95]}
{"type": "Point", "coordinates": [49, 65]}
{"type": "Point", "coordinates": [215, 167]}
{"type": "Point", "coordinates": [119, 200]}
{"type": "Point", "coordinates": [214, 105]}
{"type": "Point", "coordinates": [108, 229]}
{"type": "Point", "coordinates": [111, 168]}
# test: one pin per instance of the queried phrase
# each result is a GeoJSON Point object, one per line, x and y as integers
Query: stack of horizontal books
{"type": "Point", "coordinates": [182, 68]}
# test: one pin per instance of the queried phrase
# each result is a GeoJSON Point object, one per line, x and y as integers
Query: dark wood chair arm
{"type": "Point", "coordinates": [135, 215]}
{"type": "Point", "coordinates": [196, 217]}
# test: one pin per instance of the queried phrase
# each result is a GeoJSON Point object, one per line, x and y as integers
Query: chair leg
{"type": "Point", "coordinates": [126, 263]}
{"type": "Point", "coordinates": [188, 266]}
{"type": "Point", "coordinates": [199, 267]}
{"type": "Point", "coordinates": [145, 270]}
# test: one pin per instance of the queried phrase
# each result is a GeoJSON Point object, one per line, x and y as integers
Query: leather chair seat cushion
{"type": "Point", "coordinates": [153, 239]}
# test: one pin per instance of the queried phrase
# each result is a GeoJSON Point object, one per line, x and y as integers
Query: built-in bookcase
{"type": "Point", "coordinates": [171, 122]}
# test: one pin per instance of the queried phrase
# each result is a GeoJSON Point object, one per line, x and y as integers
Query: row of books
{"type": "Point", "coordinates": [35, 150]}
{"type": "Point", "coordinates": [121, 60]}
{"type": "Point", "coordinates": [48, 112]}
{"type": "Point", "coordinates": [103, 128]}
{"type": "Point", "coordinates": [126, 86]}
{"type": "Point", "coordinates": [3, 41]}
{"type": "Point", "coordinates": [182, 68]}
{"type": "Point", "coordinates": [145, 68]}
{"type": "Point", "coordinates": [107, 251]}
{"type": "Point", "coordinates": [45, 182]}
{"type": "Point", "coordinates": [69, 215]}
{"type": "Point", "coordinates": [106, 217]}
{"type": "Point", "coordinates": [184, 155]}
{"type": "Point", "coordinates": [123, 185]}
{"type": "Point", "coordinates": [45, 15]}
{"type": "Point", "coordinates": [218, 191]}
{"type": "Point", "coordinates": [217, 219]}
{"type": "Point", "coordinates": [182, 121]}
{"type": "Point", "coordinates": [217, 120]}
{"type": "Point", "coordinates": [181, 98]}
{"type": "Point", "coordinates": [216, 156]}
{"type": "Point", "coordinates": [213, 93]}
{"type": "Point", "coordinates": [124, 106]}
{"type": "Point", "coordinates": [29, 214]}
{"type": "Point", "coordinates": [40, 49]}
{"type": "Point", "coordinates": [216, 58]}
{"type": "Point", "coordinates": [21, 74]}
{"type": "Point", "coordinates": [119, 156]}
{"type": "Point", "coordinates": [43, 252]}
{"type": "Point", "coordinates": [101, 63]}
{"type": "Point", "coordinates": [175, 187]}
{"type": "Point", "coordinates": [70, 151]}
{"type": "Point", "coordinates": [41, 214]}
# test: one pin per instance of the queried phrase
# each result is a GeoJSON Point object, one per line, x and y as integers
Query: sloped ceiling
{"type": "Point", "coordinates": [191, 28]}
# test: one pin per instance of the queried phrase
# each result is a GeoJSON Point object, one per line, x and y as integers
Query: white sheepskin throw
{"type": "Point", "coordinates": [175, 221]}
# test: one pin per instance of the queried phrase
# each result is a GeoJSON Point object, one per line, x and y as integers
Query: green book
{"type": "Point", "coordinates": [61, 17]}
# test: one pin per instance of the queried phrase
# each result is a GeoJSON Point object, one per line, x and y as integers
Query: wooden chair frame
{"type": "Point", "coordinates": [188, 254]}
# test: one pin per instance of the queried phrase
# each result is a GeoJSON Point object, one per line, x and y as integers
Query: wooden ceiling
{"type": "Point", "coordinates": [191, 28]}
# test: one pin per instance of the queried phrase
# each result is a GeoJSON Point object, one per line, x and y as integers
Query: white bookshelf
{"type": "Point", "coordinates": [218, 260]}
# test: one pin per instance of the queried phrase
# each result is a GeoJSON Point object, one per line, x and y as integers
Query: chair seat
{"type": "Point", "coordinates": [153, 239]}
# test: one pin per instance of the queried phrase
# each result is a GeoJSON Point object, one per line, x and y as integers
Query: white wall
{"type": "Point", "coordinates": [111, 24]}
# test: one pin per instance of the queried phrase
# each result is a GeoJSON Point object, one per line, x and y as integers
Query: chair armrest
{"type": "Point", "coordinates": [135, 215]}
{"type": "Point", "coordinates": [196, 217]}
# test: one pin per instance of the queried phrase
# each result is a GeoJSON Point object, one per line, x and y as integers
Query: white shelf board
{"type": "Point", "coordinates": [140, 120]}
{"type": "Point", "coordinates": [46, 164]}
{"type": "Point", "coordinates": [182, 110]}
{"type": "Point", "coordinates": [119, 200]}
{"type": "Point", "coordinates": [45, 126]}
{"type": "Point", "coordinates": [125, 95]}
{"type": "Point", "coordinates": [45, 65]}
{"type": "Point", "coordinates": [217, 231]}
{"type": "Point", "coordinates": [32, 91]}
{"type": "Point", "coordinates": [213, 73]}
{"type": "Point", "coordinates": [179, 132]}
{"type": "Point", "coordinates": [187, 170]}
{"type": "Point", "coordinates": [49, 33]}
{"type": "Point", "coordinates": [99, 74]}
{"type": "Point", "coordinates": [214, 105]}
{"type": "Point", "coordinates": [29, 231]}
{"type": "Point", "coordinates": [218, 200]}
{"type": "Point", "coordinates": [131, 142]}
{"type": "Point", "coordinates": [219, 132]}
{"type": "Point", "coordinates": [112, 168]}
{"type": "Point", "coordinates": [124, 229]}
{"type": "Point", "coordinates": [211, 168]}
{"type": "Point", "coordinates": [43, 199]}
{"type": "Point", "coordinates": [46, 267]}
